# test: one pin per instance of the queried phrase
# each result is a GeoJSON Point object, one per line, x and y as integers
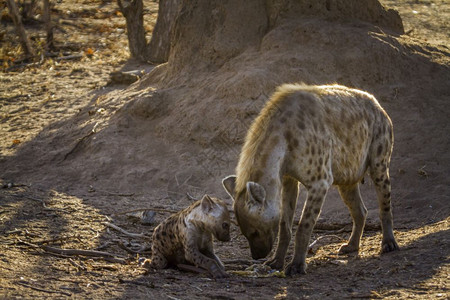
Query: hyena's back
{"type": "Point", "coordinates": [345, 126]}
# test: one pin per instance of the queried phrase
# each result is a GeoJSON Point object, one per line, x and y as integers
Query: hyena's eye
{"type": "Point", "coordinates": [225, 226]}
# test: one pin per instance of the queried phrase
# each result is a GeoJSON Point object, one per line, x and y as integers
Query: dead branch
{"type": "Point", "coordinates": [57, 239]}
{"type": "Point", "coordinates": [48, 25]}
{"type": "Point", "coordinates": [93, 253]}
{"type": "Point", "coordinates": [69, 57]}
{"type": "Point", "coordinates": [134, 235]}
{"type": "Point", "coordinates": [142, 209]}
{"type": "Point", "coordinates": [114, 194]}
{"type": "Point", "coordinates": [128, 249]}
{"type": "Point", "coordinates": [25, 42]}
{"type": "Point", "coordinates": [77, 265]}
{"type": "Point", "coordinates": [190, 268]}
{"type": "Point", "coordinates": [240, 262]}
{"type": "Point", "coordinates": [43, 290]}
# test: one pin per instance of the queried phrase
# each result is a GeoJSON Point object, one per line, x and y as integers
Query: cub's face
{"type": "Point", "coordinates": [222, 225]}
{"type": "Point", "coordinates": [217, 217]}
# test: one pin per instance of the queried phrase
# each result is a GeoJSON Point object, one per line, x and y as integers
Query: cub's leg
{"type": "Point", "coordinates": [194, 256]}
{"type": "Point", "coordinates": [311, 211]}
{"type": "Point", "coordinates": [380, 175]}
{"type": "Point", "coordinates": [209, 252]}
{"type": "Point", "coordinates": [352, 198]}
{"type": "Point", "coordinates": [288, 204]}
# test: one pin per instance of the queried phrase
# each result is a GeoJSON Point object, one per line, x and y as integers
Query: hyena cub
{"type": "Point", "coordinates": [186, 237]}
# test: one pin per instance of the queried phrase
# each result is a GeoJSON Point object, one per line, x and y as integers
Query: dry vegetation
{"type": "Point", "coordinates": [44, 91]}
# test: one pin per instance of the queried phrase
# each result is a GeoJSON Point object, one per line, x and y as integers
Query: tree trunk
{"type": "Point", "coordinates": [159, 47]}
{"type": "Point", "coordinates": [25, 42]}
{"type": "Point", "coordinates": [48, 25]}
{"type": "Point", "coordinates": [132, 11]}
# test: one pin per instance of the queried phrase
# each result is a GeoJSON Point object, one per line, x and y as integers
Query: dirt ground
{"type": "Point", "coordinates": [50, 109]}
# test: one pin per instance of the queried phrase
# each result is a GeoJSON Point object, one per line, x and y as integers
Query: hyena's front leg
{"type": "Point", "coordinates": [209, 252]}
{"type": "Point", "coordinates": [311, 211]}
{"type": "Point", "coordinates": [194, 256]}
{"type": "Point", "coordinates": [288, 204]}
{"type": "Point", "coordinates": [352, 198]}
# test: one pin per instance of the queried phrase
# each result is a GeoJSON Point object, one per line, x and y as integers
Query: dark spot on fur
{"type": "Point", "coordinates": [300, 125]}
{"type": "Point", "coordinates": [387, 181]}
{"type": "Point", "coordinates": [307, 215]}
{"type": "Point", "coordinates": [313, 178]}
{"type": "Point", "coordinates": [386, 209]}
{"type": "Point", "coordinates": [288, 135]}
{"type": "Point", "coordinates": [164, 233]}
{"type": "Point", "coordinates": [387, 196]}
{"type": "Point", "coordinates": [306, 225]}
{"type": "Point", "coordinates": [380, 148]}
{"type": "Point", "coordinates": [320, 161]}
{"type": "Point", "coordinates": [313, 150]}
{"type": "Point", "coordinates": [316, 211]}
{"type": "Point", "coordinates": [283, 120]}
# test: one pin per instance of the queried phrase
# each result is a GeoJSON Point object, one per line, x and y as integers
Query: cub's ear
{"type": "Point", "coordinates": [207, 203]}
{"type": "Point", "coordinates": [229, 183]}
{"type": "Point", "coordinates": [256, 193]}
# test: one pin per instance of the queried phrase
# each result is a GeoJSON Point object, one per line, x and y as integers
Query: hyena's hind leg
{"type": "Point", "coordinates": [158, 261]}
{"type": "Point", "coordinates": [352, 198]}
{"type": "Point", "coordinates": [379, 172]}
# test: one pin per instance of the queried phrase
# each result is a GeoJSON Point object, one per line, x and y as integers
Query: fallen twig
{"type": "Point", "coordinates": [111, 193]}
{"type": "Point", "coordinates": [128, 249]}
{"type": "Point", "coordinates": [190, 268]}
{"type": "Point", "coordinates": [77, 265]}
{"type": "Point", "coordinates": [315, 244]}
{"type": "Point", "coordinates": [143, 209]}
{"type": "Point", "coordinates": [43, 290]}
{"type": "Point", "coordinates": [240, 262]}
{"type": "Point", "coordinates": [69, 57]}
{"type": "Point", "coordinates": [79, 252]}
{"type": "Point", "coordinates": [134, 235]}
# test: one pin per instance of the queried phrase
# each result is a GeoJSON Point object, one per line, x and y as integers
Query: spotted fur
{"type": "Point", "coordinates": [187, 237]}
{"type": "Point", "coordinates": [317, 136]}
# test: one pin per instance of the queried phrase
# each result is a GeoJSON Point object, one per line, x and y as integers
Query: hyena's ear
{"type": "Point", "coordinates": [207, 203]}
{"type": "Point", "coordinates": [256, 193]}
{"type": "Point", "coordinates": [229, 183]}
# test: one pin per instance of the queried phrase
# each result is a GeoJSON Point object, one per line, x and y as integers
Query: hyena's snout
{"type": "Point", "coordinates": [260, 249]}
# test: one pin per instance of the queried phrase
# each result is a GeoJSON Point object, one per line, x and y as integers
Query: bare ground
{"type": "Point", "coordinates": [48, 93]}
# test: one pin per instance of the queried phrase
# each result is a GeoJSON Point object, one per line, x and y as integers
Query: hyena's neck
{"type": "Point", "coordinates": [268, 172]}
{"type": "Point", "coordinates": [195, 217]}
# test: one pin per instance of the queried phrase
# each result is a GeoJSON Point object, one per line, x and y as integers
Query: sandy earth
{"type": "Point", "coordinates": [78, 152]}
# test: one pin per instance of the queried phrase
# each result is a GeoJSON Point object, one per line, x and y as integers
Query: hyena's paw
{"type": "Point", "coordinates": [389, 245]}
{"type": "Point", "coordinates": [275, 263]}
{"type": "Point", "coordinates": [217, 272]}
{"type": "Point", "coordinates": [145, 263]}
{"type": "Point", "coordinates": [293, 269]}
{"type": "Point", "coordinates": [347, 249]}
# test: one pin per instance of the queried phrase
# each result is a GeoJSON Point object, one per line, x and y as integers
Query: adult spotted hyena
{"type": "Point", "coordinates": [318, 136]}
